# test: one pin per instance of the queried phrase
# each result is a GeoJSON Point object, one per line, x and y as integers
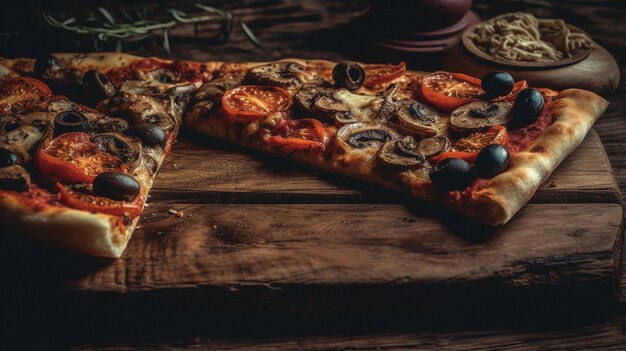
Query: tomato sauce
{"type": "Point", "coordinates": [36, 198]}
{"type": "Point", "coordinates": [189, 71]}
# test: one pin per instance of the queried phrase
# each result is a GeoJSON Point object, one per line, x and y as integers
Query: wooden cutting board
{"type": "Point", "coordinates": [256, 232]}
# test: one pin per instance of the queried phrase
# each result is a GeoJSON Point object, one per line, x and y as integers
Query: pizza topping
{"type": "Point", "coordinates": [497, 84]}
{"type": "Point", "coordinates": [280, 74]}
{"type": "Point", "coordinates": [116, 185]}
{"type": "Point", "coordinates": [124, 147]}
{"type": "Point", "coordinates": [480, 115]}
{"type": "Point", "coordinates": [152, 69]}
{"type": "Point", "coordinates": [467, 148]}
{"type": "Point", "coordinates": [447, 91]}
{"type": "Point", "coordinates": [14, 177]}
{"type": "Point", "coordinates": [388, 106]}
{"type": "Point", "coordinates": [380, 74]}
{"type": "Point", "coordinates": [307, 95]}
{"type": "Point", "coordinates": [70, 121]}
{"type": "Point", "coordinates": [98, 85]}
{"type": "Point", "coordinates": [416, 117]}
{"type": "Point", "coordinates": [248, 103]}
{"type": "Point", "coordinates": [401, 154]}
{"type": "Point", "coordinates": [451, 174]}
{"type": "Point", "coordinates": [492, 160]}
{"type": "Point", "coordinates": [349, 75]}
{"type": "Point", "coordinates": [9, 158]}
{"type": "Point", "coordinates": [23, 140]}
{"type": "Point", "coordinates": [73, 158]}
{"type": "Point", "coordinates": [301, 134]}
{"type": "Point", "coordinates": [44, 63]}
{"type": "Point", "coordinates": [149, 134]}
{"type": "Point", "coordinates": [22, 94]}
{"type": "Point", "coordinates": [363, 135]}
{"type": "Point", "coordinates": [527, 108]}
{"type": "Point", "coordinates": [434, 146]}
{"type": "Point", "coordinates": [82, 199]}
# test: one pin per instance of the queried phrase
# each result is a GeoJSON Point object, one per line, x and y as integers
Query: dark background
{"type": "Point", "coordinates": [321, 29]}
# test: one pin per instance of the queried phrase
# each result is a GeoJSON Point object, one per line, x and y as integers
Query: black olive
{"type": "Point", "coordinates": [491, 160]}
{"type": "Point", "coordinates": [497, 84]}
{"type": "Point", "coordinates": [451, 174]}
{"type": "Point", "coordinates": [43, 63]}
{"type": "Point", "coordinates": [349, 75]}
{"type": "Point", "coordinates": [527, 108]}
{"type": "Point", "coordinates": [116, 185]}
{"type": "Point", "coordinates": [149, 134]}
{"type": "Point", "coordinates": [70, 121]}
{"type": "Point", "coordinates": [8, 158]}
{"type": "Point", "coordinates": [99, 86]}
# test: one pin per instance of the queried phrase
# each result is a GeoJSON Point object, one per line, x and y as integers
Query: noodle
{"type": "Point", "coordinates": [522, 37]}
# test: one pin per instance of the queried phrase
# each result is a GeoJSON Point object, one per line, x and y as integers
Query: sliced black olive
{"type": "Point", "coordinates": [362, 135]}
{"type": "Point", "coordinates": [282, 74]}
{"type": "Point", "coordinates": [527, 108]}
{"type": "Point", "coordinates": [14, 178]}
{"type": "Point", "coordinates": [434, 146]}
{"type": "Point", "coordinates": [492, 160]}
{"type": "Point", "coordinates": [116, 185]}
{"type": "Point", "coordinates": [480, 115]}
{"type": "Point", "coordinates": [401, 154]}
{"type": "Point", "coordinates": [98, 85]}
{"type": "Point", "coordinates": [43, 63]}
{"type": "Point", "coordinates": [9, 158]}
{"type": "Point", "coordinates": [8, 124]}
{"type": "Point", "coordinates": [149, 134]}
{"type": "Point", "coordinates": [451, 174]}
{"type": "Point", "coordinates": [497, 84]}
{"type": "Point", "coordinates": [417, 117]}
{"type": "Point", "coordinates": [70, 121]}
{"type": "Point", "coordinates": [349, 75]}
{"type": "Point", "coordinates": [124, 147]}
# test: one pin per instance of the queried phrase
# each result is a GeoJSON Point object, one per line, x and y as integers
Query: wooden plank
{"type": "Point", "coordinates": [208, 170]}
{"type": "Point", "coordinates": [344, 244]}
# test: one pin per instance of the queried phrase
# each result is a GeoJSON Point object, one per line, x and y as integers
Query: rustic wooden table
{"type": "Point", "coordinates": [565, 317]}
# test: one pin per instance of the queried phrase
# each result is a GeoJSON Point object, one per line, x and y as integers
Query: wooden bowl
{"type": "Point", "coordinates": [597, 72]}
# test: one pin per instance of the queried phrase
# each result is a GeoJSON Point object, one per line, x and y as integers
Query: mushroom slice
{"type": "Point", "coordinates": [306, 96]}
{"type": "Point", "coordinates": [434, 146]}
{"type": "Point", "coordinates": [388, 107]}
{"type": "Point", "coordinates": [282, 74]}
{"type": "Point", "coordinates": [480, 115]}
{"type": "Point", "coordinates": [363, 136]}
{"type": "Point", "coordinates": [124, 147]}
{"type": "Point", "coordinates": [14, 177]}
{"type": "Point", "coordinates": [401, 154]}
{"type": "Point", "coordinates": [102, 124]}
{"type": "Point", "coordinates": [417, 117]}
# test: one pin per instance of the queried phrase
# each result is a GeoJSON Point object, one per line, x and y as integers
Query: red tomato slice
{"type": "Point", "coordinates": [73, 158]}
{"type": "Point", "coordinates": [468, 148]}
{"type": "Point", "coordinates": [301, 134]}
{"type": "Point", "coordinates": [378, 74]}
{"type": "Point", "coordinates": [92, 203]}
{"type": "Point", "coordinates": [447, 91]}
{"type": "Point", "coordinates": [248, 103]}
{"type": "Point", "coordinates": [22, 94]}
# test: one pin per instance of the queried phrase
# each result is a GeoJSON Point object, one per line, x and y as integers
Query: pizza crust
{"type": "Point", "coordinates": [74, 230]}
{"type": "Point", "coordinates": [575, 112]}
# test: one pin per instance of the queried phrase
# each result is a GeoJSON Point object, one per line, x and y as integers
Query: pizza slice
{"type": "Point", "coordinates": [73, 176]}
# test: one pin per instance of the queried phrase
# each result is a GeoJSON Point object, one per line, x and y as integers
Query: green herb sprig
{"type": "Point", "coordinates": [107, 30]}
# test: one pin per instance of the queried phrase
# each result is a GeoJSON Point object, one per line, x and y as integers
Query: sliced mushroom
{"type": "Point", "coordinates": [388, 107]}
{"type": "Point", "coordinates": [8, 124]}
{"type": "Point", "coordinates": [363, 135]}
{"type": "Point", "coordinates": [208, 98]}
{"type": "Point", "coordinates": [103, 124]}
{"type": "Point", "coordinates": [434, 146]}
{"type": "Point", "coordinates": [124, 147]}
{"type": "Point", "coordinates": [23, 140]}
{"type": "Point", "coordinates": [62, 105]}
{"type": "Point", "coordinates": [480, 115]}
{"type": "Point", "coordinates": [306, 96]}
{"type": "Point", "coordinates": [14, 178]}
{"type": "Point", "coordinates": [401, 154]}
{"type": "Point", "coordinates": [282, 74]}
{"type": "Point", "coordinates": [417, 118]}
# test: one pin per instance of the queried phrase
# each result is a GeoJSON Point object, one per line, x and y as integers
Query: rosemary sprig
{"type": "Point", "coordinates": [108, 30]}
